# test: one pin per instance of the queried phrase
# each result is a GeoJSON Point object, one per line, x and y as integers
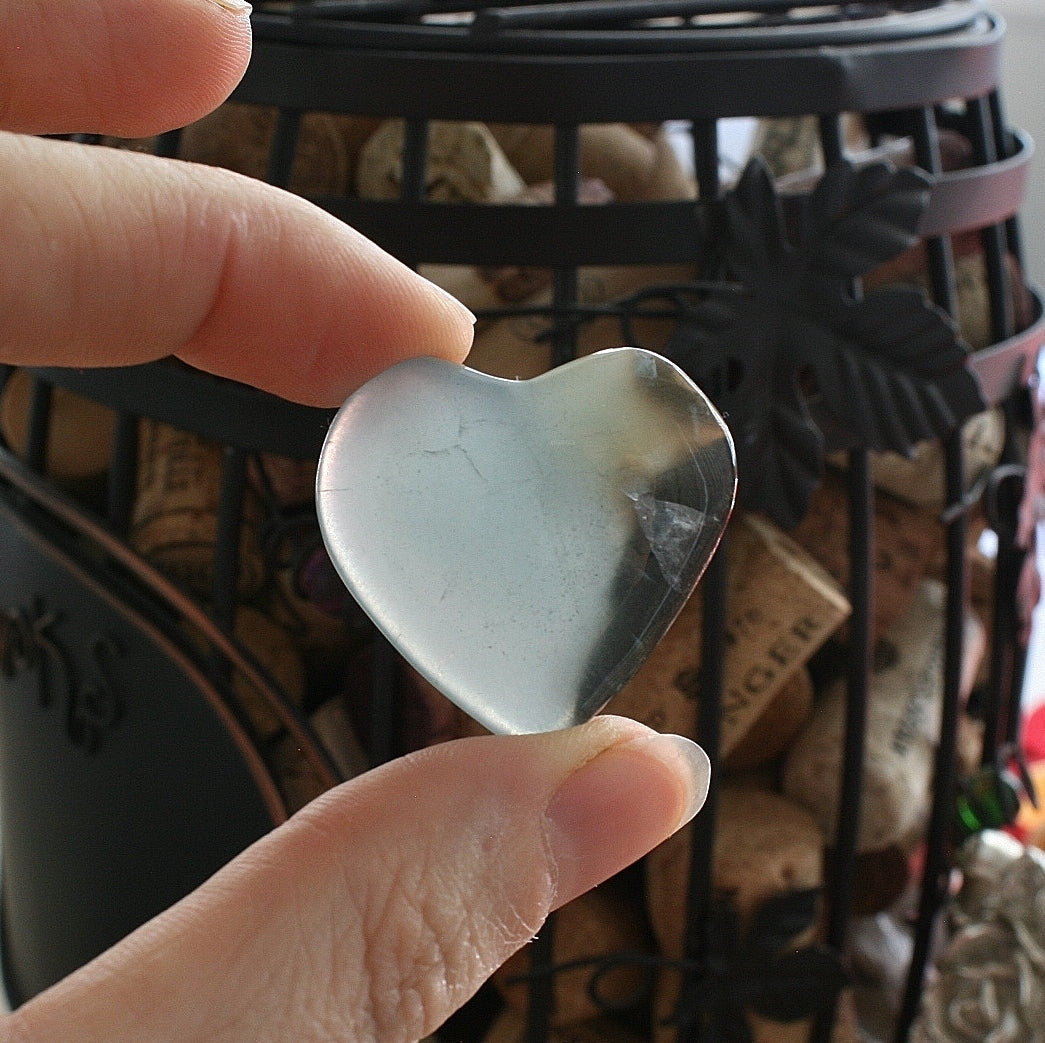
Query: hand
{"type": "Point", "coordinates": [113, 257]}
{"type": "Point", "coordinates": [380, 908]}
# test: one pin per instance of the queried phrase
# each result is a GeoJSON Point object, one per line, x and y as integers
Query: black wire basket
{"type": "Point", "coordinates": [822, 302]}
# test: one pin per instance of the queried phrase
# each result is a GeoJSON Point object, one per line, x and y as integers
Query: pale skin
{"type": "Point", "coordinates": [379, 909]}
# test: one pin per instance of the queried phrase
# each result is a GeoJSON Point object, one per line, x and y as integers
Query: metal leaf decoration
{"type": "Point", "coordinates": [784, 329]}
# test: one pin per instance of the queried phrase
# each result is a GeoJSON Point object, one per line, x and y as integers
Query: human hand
{"type": "Point", "coordinates": [380, 908]}
{"type": "Point", "coordinates": [113, 257]}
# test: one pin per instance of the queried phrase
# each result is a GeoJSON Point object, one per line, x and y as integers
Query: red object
{"type": "Point", "coordinates": [1034, 735]}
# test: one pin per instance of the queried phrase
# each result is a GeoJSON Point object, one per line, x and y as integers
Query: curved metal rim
{"type": "Point", "coordinates": [68, 513]}
{"type": "Point", "coordinates": [1004, 367]}
{"type": "Point", "coordinates": [954, 16]}
{"type": "Point", "coordinates": [597, 87]}
{"type": "Point", "coordinates": [974, 196]}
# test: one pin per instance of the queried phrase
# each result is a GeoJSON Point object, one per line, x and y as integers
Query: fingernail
{"type": "Point", "coordinates": [240, 7]}
{"type": "Point", "coordinates": [694, 762]}
{"type": "Point", "coordinates": [620, 805]}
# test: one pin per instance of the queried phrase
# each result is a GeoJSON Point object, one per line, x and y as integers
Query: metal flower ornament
{"type": "Point", "coordinates": [787, 347]}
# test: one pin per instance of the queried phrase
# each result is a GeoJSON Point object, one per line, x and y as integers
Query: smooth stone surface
{"type": "Point", "coordinates": [525, 544]}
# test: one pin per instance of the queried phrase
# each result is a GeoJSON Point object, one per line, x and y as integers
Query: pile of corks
{"type": "Point", "coordinates": [783, 702]}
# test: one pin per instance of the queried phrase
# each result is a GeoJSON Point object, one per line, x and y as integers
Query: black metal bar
{"type": "Point", "coordinates": [566, 165]}
{"type": "Point", "coordinates": [215, 409]}
{"type": "Point", "coordinates": [832, 138]}
{"type": "Point", "coordinates": [38, 425]}
{"type": "Point", "coordinates": [565, 280]}
{"type": "Point", "coordinates": [227, 538]}
{"type": "Point", "coordinates": [1006, 663]}
{"type": "Point", "coordinates": [605, 13]}
{"type": "Point", "coordinates": [842, 880]}
{"type": "Point", "coordinates": [123, 471]}
{"type": "Point", "coordinates": [714, 599]}
{"type": "Point", "coordinates": [1005, 146]}
{"type": "Point", "coordinates": [697, 944]}
{"type": "Point", "coordinates": [706, 167]}
{"type": "Point", "coordinates": [384, 702]}
{"type": "Point", "coordinates": [414, 185]}
{"type": "Point", "coordinates": [658, 75]}
{"type": "Point", "coordinates": [993, 237]}
{"type": "Point", "coordinates": [167, 144]}
{"type": "Point", "coordinates": [941, 257]}
{"type": "Point", "coordinates": [466, 233]}
{"type": "Point", "coordinates": [542, 988]}
{"type": "Point", "coordinates": [936, 874]}
{"type": "Point", "coordinates": [283, 146]}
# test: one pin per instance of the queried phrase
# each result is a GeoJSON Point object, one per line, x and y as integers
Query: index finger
{"type": "Point", "coordinates": [113, 257]}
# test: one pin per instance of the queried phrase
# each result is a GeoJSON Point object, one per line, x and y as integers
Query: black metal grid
{"type": "Point", "coordinates": [919, 65]}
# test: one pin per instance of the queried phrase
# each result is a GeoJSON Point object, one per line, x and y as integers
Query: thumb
{"type": "Point", "coordinates": [381, 908]}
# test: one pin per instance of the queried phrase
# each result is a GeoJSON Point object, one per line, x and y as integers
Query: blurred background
{"type": "Point", "coordinates": [1024, 58]}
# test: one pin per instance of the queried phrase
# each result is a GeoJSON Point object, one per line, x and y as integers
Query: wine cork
{"type": "Point", "coordinates": [304, 594]}
{"type": "Point", "coordinates": [920, 478]}
{"type": "Point", "coordinates": [634, 166]}
{"type": "Point", "coordinates": [880, 879]}
{"type": "Point", "coordinates": [599, 923]}
{"type": "Point", "coordinates": [489, 289]}
{"type": "Point", "coordinates": [971, 287]}
{"type": "Point", "coordinates": [667, 180]}
{"type": "Point", "coordinates": [968, 749]}
{"type": "Point", "coordinates": [299, 783]}
{"type": "Point", "coordinates": [773, 731]}
{"type": "Point", "coordinates": [630, 168]}
{"type": "Point", "coordinates": [906, 540]}
{"type": "Point", "coordinates": [284, 481]}
{"type": "Point", "coordinates": [765, 845]}
{"type": "Point", "coordinates": [906, 691]}
{"type": "Point", "coordinates": [634, 169]}
{"type": "Point", "coordinates": [274, 651]}
{"type": "Point", "coordinates": [426, 716]}
{"type": "Point", "coordinates": [298, 780]}
{"type": "Point", "coordinates": [781, 607]}
{"type": "Point", "coordinates": [323, 638]}
{"type": "Point", "coordinates": [465, 164]}
{"type": "Point", "coordinates": [333, 727]}
{"type": "Point", "coordinates": [517, 348]}
{"type": "Point", "coordinates": [79, 434]}
{"type": "Point", "coordinates": [268, 645]}
{"type": "Point", "coordinates": [238, 137]}
{"type": "Point", "coordinates": [174, 523]}
{"type": "Point", "coordinates": [789, 145]}
{"type": "Point", "coordinates": [784, 608]}
{"type": "Point", "coordinates": [467, 284]}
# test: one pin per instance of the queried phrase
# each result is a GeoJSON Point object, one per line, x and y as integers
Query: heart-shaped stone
{"type": "Point", "coordinates": [525, 544]}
